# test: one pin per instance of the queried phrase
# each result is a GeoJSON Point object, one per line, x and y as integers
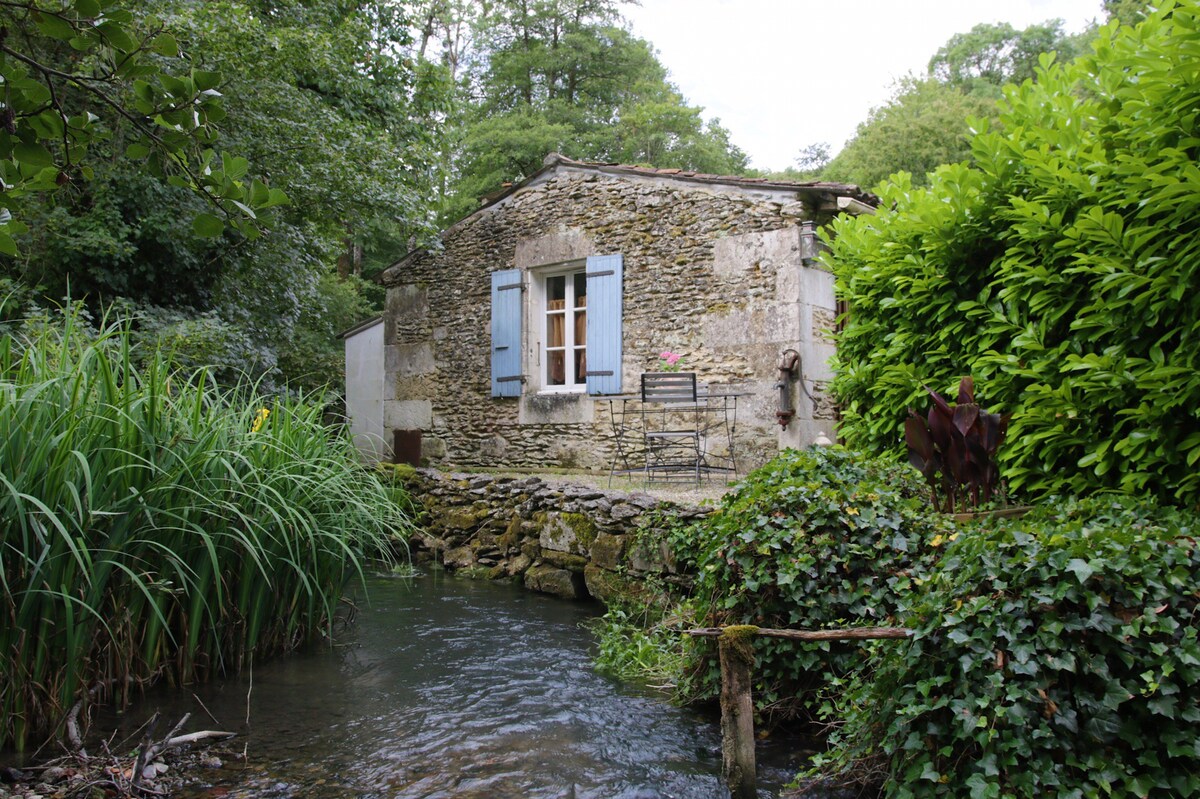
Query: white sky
{"type": "Point", "coordinates": [783, 74]}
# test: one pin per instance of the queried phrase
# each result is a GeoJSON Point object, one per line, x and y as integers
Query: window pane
{"type": "Point", "coordinates": [555, 332]}
{"type": "Point", "coordinates": [580, 365]}
{"type": "Point", "coordinates": [556, 370]}
{"type": "Point", "coordinates": [580, 328]}
{"type": "Point", "coordinates": [556, 289]}
{"type": "Point", "coordinates": [580, 289]}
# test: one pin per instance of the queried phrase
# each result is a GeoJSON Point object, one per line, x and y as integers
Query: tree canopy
{"type": "Point", "coordinates": [566, 76]}
{"type": "Point", "coordinates": [928, 119]}
{"type": "Point", "coordinates": [323, 100]}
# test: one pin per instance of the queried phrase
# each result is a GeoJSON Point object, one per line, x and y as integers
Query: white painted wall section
{"type": "Point", "coordinates": [364, 391]}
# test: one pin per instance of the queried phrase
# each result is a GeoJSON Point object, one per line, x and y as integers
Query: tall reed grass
{"type": "Point", "coordinates": [157, 525]}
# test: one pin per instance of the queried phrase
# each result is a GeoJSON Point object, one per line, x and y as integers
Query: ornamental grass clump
{"type": "Point", "coordinates": [816, 539]}
{"type": "Point", "coordinates": [1056, 655]}
{"type": "Point", "coordinates": [154, 525]}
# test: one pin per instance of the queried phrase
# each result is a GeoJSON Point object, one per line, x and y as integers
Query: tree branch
{"type": "Point", "coordinates": [86, 84]}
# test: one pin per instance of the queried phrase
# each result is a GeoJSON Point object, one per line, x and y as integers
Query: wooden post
{"type": "Point", "coordinates": [737, 711]}
{"type": "Point", "coordinates": [736, 649]}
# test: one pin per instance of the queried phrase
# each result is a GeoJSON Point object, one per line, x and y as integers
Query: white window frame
{"type": "Point", "coordinates": [539, 310]}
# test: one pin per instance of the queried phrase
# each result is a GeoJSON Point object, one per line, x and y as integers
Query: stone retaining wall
{"type": "Point", "coordinates": [568, 540]}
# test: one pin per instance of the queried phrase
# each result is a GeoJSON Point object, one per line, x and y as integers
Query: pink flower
{"type": "Point", "coordinates": [670, 361]}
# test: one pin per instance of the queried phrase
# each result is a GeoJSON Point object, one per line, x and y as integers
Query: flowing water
{"type": "Point", "coordinates": [454, 688]}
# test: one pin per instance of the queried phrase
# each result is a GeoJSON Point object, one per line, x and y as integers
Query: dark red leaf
{"type": "Point", "coordinates": [966, 390]}
{"type": "Point", "coordinates": [939, 401]}
{"type": "Point", "coordinates": [965, 416]}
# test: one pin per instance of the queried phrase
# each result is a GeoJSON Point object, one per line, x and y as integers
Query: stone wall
{"type": "Point", "coordinates": [711, 273]}
{"type": "Point", "coordinates": [568, 540]}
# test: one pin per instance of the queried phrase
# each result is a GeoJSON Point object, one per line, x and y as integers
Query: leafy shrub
{"type": "Point", "coordinates": [639, 645]}
{"type": "Point", "coordinates": [954, 447]}
{"type": "Point", "coordinates": [1056, 656]}
{"type": "Point", "coordinates": [192, 342]}
{"type": "Point", "coordinates": [1060, 271]}
{"type": "Point", "coordinates": [813, 539]}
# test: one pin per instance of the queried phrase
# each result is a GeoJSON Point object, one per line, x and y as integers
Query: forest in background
{"type": "Point", "coordinates": [232, 174]}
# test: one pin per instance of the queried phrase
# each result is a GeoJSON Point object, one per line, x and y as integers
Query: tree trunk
{"type": "Point", "coordinates": [349, 262]}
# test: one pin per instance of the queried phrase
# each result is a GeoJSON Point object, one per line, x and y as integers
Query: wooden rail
{"type": "Point", "coordinates": [736, 649]}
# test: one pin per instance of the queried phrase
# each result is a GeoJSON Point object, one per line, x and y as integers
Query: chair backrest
{"type": "Point", "coordinates": [668, 387]}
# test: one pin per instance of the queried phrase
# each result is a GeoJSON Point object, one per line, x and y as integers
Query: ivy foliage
{"type": "Point", "coordinates": [1056, 656]}
{"type": "Point", "coordinates": [1060, 271]}
{"type": "Point", "coordinates": [813, 539]}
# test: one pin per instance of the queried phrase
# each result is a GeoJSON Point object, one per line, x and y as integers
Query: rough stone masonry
{"type": "Point", "coordinates": [568, 540]}
{"type": "Point", "coordinates": [719, 270]}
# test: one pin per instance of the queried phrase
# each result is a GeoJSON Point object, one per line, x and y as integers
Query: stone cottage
{"type": "Point", "coordinates": [506, 346]}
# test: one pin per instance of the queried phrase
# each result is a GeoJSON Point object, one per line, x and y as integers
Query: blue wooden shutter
{"type": "Point", "coordinates": [506, 333]}
{"type": "Point", "coordinates": [604, 308]}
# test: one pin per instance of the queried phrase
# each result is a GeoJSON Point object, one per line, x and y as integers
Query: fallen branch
{"type": "Point", "coordinates": [73, 735]}
{"type": "Point", "coordinates": [154, 750]}
{"type": "Point", "coordinates": [195, 737]}
{"type": "Point", "coordinates": [143, 758]}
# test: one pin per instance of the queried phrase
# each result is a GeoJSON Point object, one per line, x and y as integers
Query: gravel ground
{"type": "Point", "coordinates": [708, 492]}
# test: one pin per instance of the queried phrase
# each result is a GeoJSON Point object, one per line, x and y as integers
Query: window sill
{"type": "Point", "coordinates": [558, 390]}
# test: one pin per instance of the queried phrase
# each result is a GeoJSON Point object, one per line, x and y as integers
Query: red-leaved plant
{"type": "Point", "coordinates": [955, 448]}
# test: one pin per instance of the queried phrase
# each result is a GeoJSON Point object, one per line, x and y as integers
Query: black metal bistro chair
{"type": "Point", "coordinates": [670, 424]}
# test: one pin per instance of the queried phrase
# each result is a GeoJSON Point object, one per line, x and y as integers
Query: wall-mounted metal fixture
{"type": "Point", "coordinates": [789, 370]}
{"type": "Point", "coordinates": [809, 243]}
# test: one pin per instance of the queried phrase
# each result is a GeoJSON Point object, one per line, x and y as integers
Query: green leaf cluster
{"type": "Point", "coordinates": [1055, 655]}
{"type": "Point", "coordinates": [72, 72]}
{"type": "Point", "coordinates": [814, 539]}
{"type": "Point", "coordinates": [1060, 271]}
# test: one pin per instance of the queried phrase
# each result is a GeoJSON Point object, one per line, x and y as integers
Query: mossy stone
{"type": "Point", "coordinates": [402, 472]}
{"type": "Point", "coordinates": [568, 532]}
{"type": "Point", "coordinates": [511, 534]}
{"type": "Point", "coordinates": [607, 550]}
{"type": "Point", "coordinates": [565, 560]}
{"type": "Point", "coordinates": [584, 528]}
{"type": "Point", "coordinates": [463, 519]}
{"type": "Point", "coordinates": [560, 582]}
{"type": "Point", "coordinates": [611, 587]}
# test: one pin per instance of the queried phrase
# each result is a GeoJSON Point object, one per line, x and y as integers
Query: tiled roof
{"type": "Point", "coordinates": [820, 187]}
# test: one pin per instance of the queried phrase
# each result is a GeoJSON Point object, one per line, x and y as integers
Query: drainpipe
{"type": "Point", "coordinates": [789, 366]}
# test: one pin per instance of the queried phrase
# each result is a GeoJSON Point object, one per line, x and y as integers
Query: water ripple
{"type": "Point", "coordinates": [448, 689]}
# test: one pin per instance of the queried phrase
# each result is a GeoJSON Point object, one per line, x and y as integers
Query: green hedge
{"type": "Point", "coordinates": [813, 539]}
{"type": "Point", "coordinates": [1061, 272]}
{"type": "Point", "coordinates": [1057, 656]}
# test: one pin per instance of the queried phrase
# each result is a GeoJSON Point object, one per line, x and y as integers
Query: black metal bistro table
{"type": "Point", "coordinates": [675, 441]}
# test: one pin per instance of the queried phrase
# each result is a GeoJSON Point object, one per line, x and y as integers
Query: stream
{"type": "Point", "coordinates": [449, 687]}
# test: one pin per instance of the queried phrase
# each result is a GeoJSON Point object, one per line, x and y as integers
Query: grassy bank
{"type": "Point", "coordinates": [157, 525]}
